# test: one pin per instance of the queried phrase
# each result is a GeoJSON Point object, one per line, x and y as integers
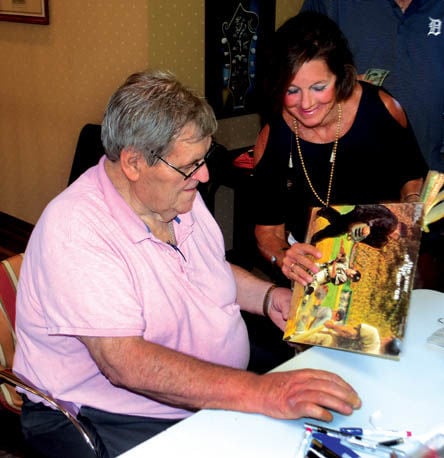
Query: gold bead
{"type": "Point", "coordinates": [332, 159]}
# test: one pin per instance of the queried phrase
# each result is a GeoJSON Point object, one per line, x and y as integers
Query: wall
{"type": "Point", "coordinates": [242, 131]}
{"type": "Point", "coordinates": [56, 78]}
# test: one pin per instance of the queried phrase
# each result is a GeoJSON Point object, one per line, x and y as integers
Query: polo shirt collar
{"type": "Point", "coordinates": [128, 220]}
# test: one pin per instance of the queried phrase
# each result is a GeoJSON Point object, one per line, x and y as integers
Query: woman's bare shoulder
{"type": "Point", "coordinates": [393, 107]}
{"type": "Point", "coordinates": [261, 143]}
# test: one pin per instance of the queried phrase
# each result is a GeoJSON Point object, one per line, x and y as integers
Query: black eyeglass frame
{"type": "Point", "coordinates": [198, 166]}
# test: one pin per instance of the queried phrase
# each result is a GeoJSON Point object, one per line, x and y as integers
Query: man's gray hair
{"type": "Point", "coordinates": [148, 112]}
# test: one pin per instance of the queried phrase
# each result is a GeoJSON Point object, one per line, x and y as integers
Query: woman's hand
{"type": "Point", "coordinates": [299, 263]}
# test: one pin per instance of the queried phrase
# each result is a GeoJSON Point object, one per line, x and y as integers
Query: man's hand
{"type": "Point", "coordinates": [183, 380]}
{"type": "Point", "coordinates": [306, 393]}
{"type": "Point", "coordinates": [280, 306]}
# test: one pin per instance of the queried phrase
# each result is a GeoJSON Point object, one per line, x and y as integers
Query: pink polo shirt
{"type": "Point", "coordinates": [92, 268]}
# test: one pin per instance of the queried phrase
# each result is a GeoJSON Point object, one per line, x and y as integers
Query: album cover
{"type": "Point", "coordinates": [359, 299]}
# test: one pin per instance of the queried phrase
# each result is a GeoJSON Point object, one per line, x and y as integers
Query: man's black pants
{"type": "Point", "coordinates": [50, 434]}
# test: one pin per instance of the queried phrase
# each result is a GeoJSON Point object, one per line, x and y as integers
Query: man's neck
{"type": "Point", "coordinates": [403, 4]}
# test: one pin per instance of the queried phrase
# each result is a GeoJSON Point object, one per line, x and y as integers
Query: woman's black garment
{"type": "Point", "coordinates": [374, 159]}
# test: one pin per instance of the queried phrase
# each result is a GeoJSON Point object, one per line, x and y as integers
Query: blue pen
{"type": "Point", "coordinates": [331, 447]}
{"type": "Point", "coordinates": [355, 431]}
{"type": "Point", "coordinates": [326, 446]}
{"type": "Point", "coordinates": [358, 432]}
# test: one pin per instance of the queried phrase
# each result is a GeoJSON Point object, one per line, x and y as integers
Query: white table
{"type": "Point", "coordinates": [409, 394]}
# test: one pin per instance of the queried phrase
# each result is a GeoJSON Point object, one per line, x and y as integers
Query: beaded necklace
{"type": "Point", "coordinates": [325, 202]}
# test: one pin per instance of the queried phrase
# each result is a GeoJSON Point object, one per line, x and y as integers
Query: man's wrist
{"type": "Point", "coordinates": [266, 305]}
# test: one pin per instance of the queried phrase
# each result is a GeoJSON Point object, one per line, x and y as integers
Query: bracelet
{"type": "Point", "coordinates": [267, 302]}
{"type": "Point", "coordinates": [273, 258]}
{"type": "Point", "coordinates": [416, 196]}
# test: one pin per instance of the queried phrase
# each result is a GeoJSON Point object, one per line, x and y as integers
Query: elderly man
{"type": "Point", "coordinates": [127, 308]}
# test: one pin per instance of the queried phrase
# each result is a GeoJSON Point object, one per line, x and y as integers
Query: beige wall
{"type": "Point", "coordinates": [56, 78]}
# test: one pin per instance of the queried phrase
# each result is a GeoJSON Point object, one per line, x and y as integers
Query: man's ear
{"type": "Point", "coordinates": [131, 162]}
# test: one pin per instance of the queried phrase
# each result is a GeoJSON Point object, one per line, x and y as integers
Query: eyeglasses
{"type": "Point", "coordinates": [197, 164]}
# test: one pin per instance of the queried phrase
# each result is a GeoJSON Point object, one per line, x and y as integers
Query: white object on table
{"type": "Point", "coordinates": [405, 394]}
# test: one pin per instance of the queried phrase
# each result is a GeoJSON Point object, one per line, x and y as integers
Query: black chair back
{"type": "Point", "coordinates": [88, 151]}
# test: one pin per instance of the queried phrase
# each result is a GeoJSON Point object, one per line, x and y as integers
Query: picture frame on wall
{"type": "Point", "coordinates": [235, 35]}
{"type": "Point", "coordinates": [27, 11]}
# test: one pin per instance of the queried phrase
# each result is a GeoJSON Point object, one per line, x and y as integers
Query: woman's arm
{"type": "Point", "coordinates": [296, 262]}
{"type": "Point", "coordinates": [394, 108]}
{"type": "Point", "coordinates": [411, 190]}
{"type": "Point", "coordinates": [271, 242]}
{"type": "Point", "coordinates": [261, 143]}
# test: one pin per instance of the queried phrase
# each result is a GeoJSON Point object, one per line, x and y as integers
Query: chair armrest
{"type": "Point", "coordinates": [7, 376]}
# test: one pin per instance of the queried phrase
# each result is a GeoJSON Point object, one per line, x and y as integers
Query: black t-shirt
{"type": "Point", "coordinates": [374, 159]}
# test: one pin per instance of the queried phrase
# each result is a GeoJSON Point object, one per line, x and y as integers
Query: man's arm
{"type": "Point", "coordinates": [184, 381]}
{"type": "Point", "coordinates": [251, 294]}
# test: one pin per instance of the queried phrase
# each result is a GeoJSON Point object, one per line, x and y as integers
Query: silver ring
{"type": "Point", "coordinates": [291, 267]}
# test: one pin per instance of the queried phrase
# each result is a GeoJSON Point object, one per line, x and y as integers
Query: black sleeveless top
{"type": "Point", "coordinates": [374, 159]}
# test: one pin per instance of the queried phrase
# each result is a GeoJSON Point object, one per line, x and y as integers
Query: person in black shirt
{"type": "Point", "coordinates": [328, 139]}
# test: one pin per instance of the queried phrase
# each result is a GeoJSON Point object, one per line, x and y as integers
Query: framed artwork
{"type": "Point", "coordinates": [28, 11]}
{"type": "Point", "coordinates": [235, 34]}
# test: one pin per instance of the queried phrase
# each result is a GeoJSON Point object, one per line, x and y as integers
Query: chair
{"type": "Point", "coordinates": [9, 398]}
{"type": "Point", "coordinates": [89, 150]}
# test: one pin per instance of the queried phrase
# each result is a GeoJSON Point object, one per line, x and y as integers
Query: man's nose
{"type": "Point", "coordinates": [202, 174]}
